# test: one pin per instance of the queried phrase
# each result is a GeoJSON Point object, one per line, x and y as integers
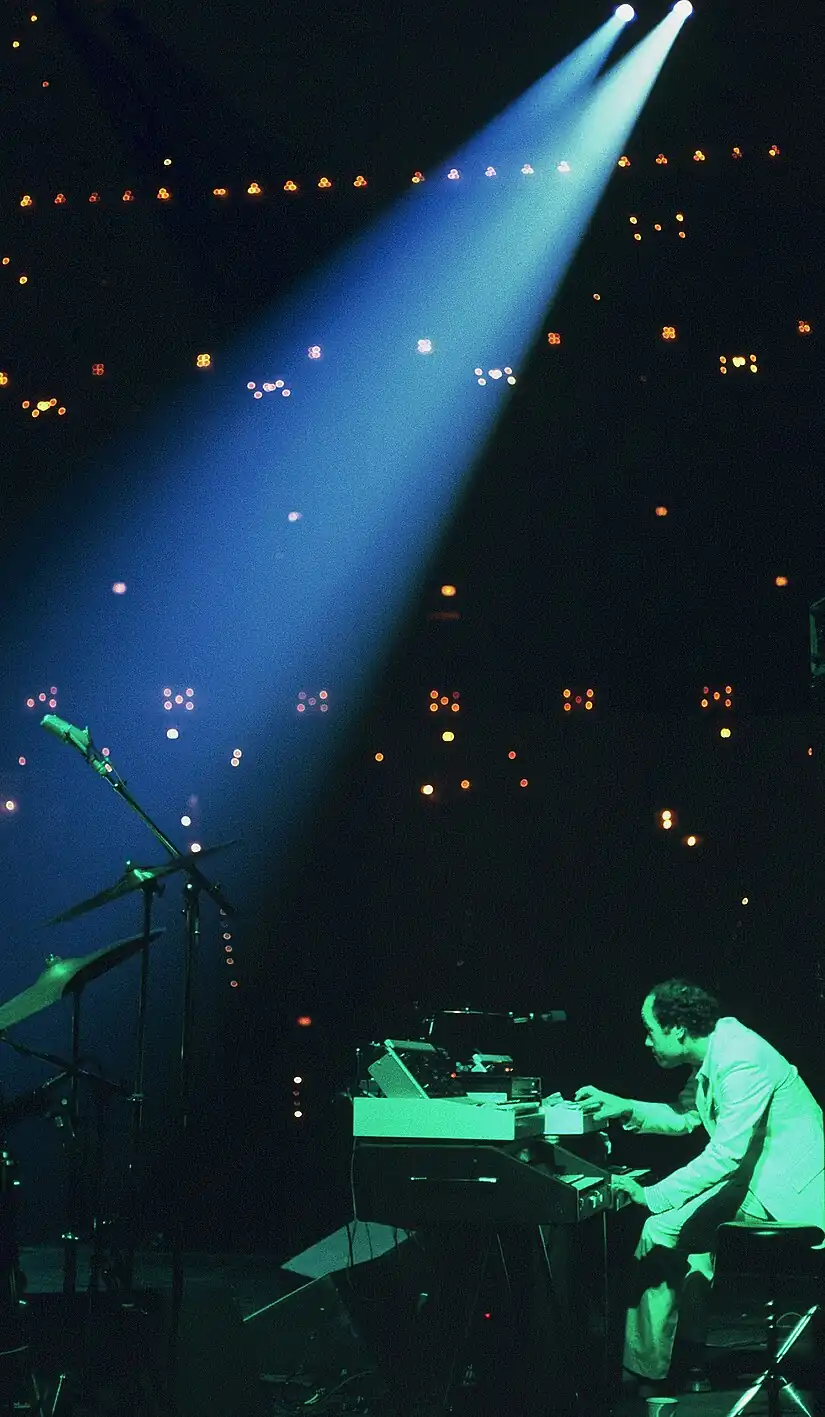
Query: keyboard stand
{"type": "Point", "coordinates": [456, 1361]}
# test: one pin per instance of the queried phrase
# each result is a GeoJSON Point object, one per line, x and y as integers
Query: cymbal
{"type": "Point", "coordinates": [134, 879]}
{"type": "Point", "coordinates": [68, 976]}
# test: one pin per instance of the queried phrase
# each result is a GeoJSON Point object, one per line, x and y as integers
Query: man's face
{"type": "Point", "coordinates": [666, 1044]}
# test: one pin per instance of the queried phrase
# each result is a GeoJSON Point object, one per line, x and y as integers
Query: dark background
{"type": "Point", "coordinates": [566, 894]}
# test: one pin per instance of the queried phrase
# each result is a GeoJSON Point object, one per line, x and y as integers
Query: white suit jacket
{"type": "Point", "coordinates": [752, 1103]}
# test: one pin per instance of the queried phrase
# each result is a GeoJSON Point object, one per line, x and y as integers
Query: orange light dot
{"type": "Point", "coordinates": [379, 757]}
{"type": "Point", "coordinates": [465, 782]}
{"type": "Point", "coordinates": [427, 790]}
{"type": "Point", "coordinates": [661, 511]}
{"type": "Point", "coordinates": [782, 580]}
{"type": "Point", "coordinates": [448, 590]}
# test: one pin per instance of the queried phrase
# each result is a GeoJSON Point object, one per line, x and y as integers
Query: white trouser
{"type": "Point", "coordinates": [650, 1327]}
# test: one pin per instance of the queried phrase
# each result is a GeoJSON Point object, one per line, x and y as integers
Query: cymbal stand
{"type": "Point", "coordinates": [191, 897]}
{"type": "Point", "coordinates": [149, 888]}
{"type": "Point", "coordinates": [70, 1236]}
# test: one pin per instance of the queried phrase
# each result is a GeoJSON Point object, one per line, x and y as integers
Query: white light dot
{"type": "Point", "coordinates": [171, 733]}
{"type": "Point", "coordinates": [186, 821]}
{"type": "Point", "coordinates": [119, 587]}
{"type": "Point", "coordinates": [195, 847]}
{"type": "Point", "coordinates": [10, 806]}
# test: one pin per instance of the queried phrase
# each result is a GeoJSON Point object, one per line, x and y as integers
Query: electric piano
{"type": "Point", "coordinates": [429, 1160]}
{"type": "Point", "coordinates": [496, 1187]}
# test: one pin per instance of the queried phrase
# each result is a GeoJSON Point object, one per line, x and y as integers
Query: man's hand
{"type": "Point", "coordinates": [603, 1106]}
{"type": "Point", "coordinates": [630, 1187]}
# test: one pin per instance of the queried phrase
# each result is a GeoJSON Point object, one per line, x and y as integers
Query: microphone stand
{"type": "Point", "coordinates": [196, 883]}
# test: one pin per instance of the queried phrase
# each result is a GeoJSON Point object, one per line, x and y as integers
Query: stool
{"type": "Point", "coordinates": [770, 1248]}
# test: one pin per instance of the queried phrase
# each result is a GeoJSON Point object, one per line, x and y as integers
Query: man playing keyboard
{"type": "Point", "coordinates": [765, 1160]}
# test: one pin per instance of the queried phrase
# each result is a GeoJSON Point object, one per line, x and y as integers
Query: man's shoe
{"type": "Point", "coordinates": [697, 1380]}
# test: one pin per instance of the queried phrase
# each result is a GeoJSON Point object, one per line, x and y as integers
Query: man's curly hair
{"type": "Point", "coordinates": [679, 1003]}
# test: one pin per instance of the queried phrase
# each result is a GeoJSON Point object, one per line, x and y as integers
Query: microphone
{"type": "Point", "coordinates": [79, 738]}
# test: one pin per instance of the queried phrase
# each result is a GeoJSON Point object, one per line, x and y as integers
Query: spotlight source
{"type": "Point", "coordinates": [625, 13]}
{"type": "Point", "coordinates": [682, 9]}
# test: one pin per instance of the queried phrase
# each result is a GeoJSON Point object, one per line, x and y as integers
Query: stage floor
{"type": "Point", "coordinates": [256, 1281]}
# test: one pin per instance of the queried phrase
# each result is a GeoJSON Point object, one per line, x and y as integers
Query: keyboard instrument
{"type": "Point", "coordinates": [418, 1183]}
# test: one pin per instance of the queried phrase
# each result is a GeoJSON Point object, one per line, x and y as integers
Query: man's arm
{"type": "Point", "coordinates": [664, 1118]}
{"type": "Point", "coordinates": [745, 1093]}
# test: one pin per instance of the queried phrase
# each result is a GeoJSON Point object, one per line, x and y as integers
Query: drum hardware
{"type": "Point", "coordinates": [147, 881]}
{"type": "Point", "coordinates": [16, 1374]}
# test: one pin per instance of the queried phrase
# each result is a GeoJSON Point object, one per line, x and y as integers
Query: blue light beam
{"type": "Point", "coordinates": [375, 447]}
